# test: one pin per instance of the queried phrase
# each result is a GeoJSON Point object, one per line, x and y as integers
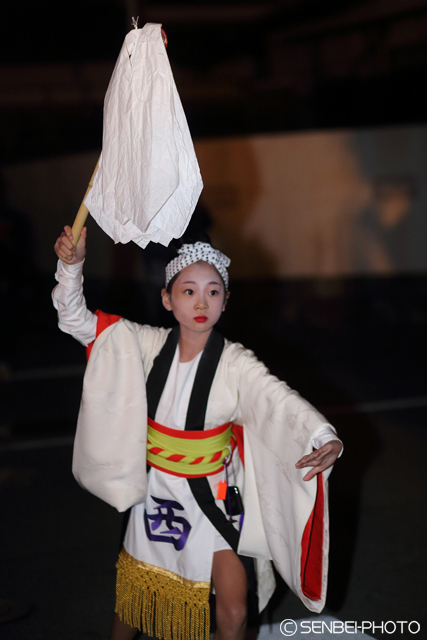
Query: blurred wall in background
{"type": "Point", "coordinates": [337, 203]}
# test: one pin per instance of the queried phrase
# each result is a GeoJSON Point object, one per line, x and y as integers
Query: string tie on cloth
{"type": "Point", "coordinates": [191, 253]}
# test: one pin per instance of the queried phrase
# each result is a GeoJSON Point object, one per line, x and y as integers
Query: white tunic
{"type": "Point", "coordinates": [194, 561]}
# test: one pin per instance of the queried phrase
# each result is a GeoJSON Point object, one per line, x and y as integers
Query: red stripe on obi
{"type": "Point", "coordinates": [155, 450]}
{"type": "Point", "coordinates": [188, 435]}
{"type": "Point", "coordinates": [216, 456]}
{"type": "Point", "coordinates": [175, 457]}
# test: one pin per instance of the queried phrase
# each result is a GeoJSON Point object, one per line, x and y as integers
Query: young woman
{"type": "Point", "coordinates": [228, 446]}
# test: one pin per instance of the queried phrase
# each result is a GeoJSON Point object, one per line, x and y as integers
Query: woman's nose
{"type": "Point", "coordinates": [201, 303]}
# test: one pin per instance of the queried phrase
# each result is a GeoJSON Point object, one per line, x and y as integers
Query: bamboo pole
{"type": "Point", "coordinates": [83, 211]}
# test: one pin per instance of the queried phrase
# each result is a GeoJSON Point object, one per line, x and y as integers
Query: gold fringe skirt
{"type": "Point", "coordinates": [161, 603]}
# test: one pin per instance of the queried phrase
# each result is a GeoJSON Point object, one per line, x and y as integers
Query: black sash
{"type": "Point", "coordinates": [196, 412]}
{"type": "Point", "coordinates": [159, 372]}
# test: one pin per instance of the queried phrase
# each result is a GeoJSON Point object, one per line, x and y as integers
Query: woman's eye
{"type": "Point", "coordinates": [189, 291]}
{"type": "Point", "coordinates": [214, 292]}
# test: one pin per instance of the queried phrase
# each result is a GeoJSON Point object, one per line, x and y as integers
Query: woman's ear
{"type": "Point", "coordinates": [166, 300]}
{"type": "Point", "coordinates": [227, 295]}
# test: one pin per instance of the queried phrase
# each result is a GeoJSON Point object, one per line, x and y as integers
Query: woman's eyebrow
{"type": "Point", "coordinates": [193, 282]}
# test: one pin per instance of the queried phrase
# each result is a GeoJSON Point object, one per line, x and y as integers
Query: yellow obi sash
{"type": "Point", "coordinates": [189, 454]}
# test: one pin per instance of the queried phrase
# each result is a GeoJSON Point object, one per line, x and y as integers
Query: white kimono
{"type": "Point", "coordinates": [279, 428]}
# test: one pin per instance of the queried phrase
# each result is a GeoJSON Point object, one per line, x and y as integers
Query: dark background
{"type": "Point", "coordinates": [353, 346]}
{"type": "Point", "coordinates": [241, 67]}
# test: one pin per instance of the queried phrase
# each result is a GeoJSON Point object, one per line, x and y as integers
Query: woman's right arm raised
{"type": "Point", "coordinates": [68, 299]}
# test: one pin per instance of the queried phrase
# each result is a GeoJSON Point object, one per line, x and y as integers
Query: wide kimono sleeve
{"type": "Point", "coordinates": [288, 515]}
{"type": "Point", "coordinates": [109, 458]}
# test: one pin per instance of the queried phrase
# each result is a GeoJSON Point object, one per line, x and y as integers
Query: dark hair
{"type": "Point", "coordinates": [187, 238]}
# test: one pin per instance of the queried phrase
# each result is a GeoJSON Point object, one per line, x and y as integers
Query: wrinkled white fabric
{"type": "Point", "coordinates": [68, 299]}
{"type": "Point", "coordinates": [148, 181]}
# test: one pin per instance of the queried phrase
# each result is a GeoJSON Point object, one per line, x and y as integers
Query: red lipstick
{"type": "Point", "coordinates": [200, 318]}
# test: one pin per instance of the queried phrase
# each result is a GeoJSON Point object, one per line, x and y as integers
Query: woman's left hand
{"type": "Point", "coordinates": [320, 459]}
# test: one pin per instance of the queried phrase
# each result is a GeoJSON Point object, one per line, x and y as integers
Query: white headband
{"type": "Point", "coordinates": [191, 253]}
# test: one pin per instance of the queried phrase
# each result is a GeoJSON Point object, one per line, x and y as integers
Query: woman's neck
{"type": "Point", "coordinates": [191, 343]}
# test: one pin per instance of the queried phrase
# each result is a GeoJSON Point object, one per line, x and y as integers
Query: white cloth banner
{"type": "Point", "coordinates": [148, 182]}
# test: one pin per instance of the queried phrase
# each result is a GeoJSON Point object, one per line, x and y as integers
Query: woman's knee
{"type": "Point", "coordinates": [231, 614]}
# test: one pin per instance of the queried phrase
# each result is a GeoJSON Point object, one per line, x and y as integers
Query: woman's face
{"type": "Point", "coordinates": [197, 298]}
